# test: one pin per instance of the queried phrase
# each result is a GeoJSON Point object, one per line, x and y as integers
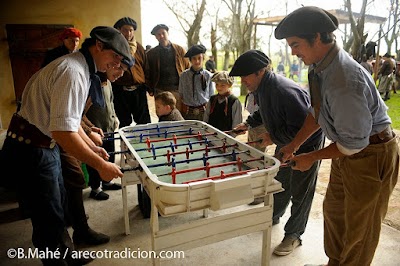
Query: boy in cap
{"type": "Point", "coordinates": [195, 86]}
{"type": "Point", "coordinates": [224, 110]}
{"type": "Point", "coordinates": [70, 38]}
{"type": "Point", "coordinates": [166, 107]}
{"type": "Point", "coordinates": [50, 115]}
{"type": "Point", "coordinates": [283, 106]}
{"type": "Point", "coordinates": [165, 63]}
{"type": "Point", "coordinates": [347, 107]}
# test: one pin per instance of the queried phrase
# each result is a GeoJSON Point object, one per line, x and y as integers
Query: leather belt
{"type": "Point", "coordinates": [130, 88]}
{"type": "Point", "coordinates": [196, 110]}
{"type": "Point", "coordinates": [382, 137]}
{"type": "Point", "coordinates": [23, 131]}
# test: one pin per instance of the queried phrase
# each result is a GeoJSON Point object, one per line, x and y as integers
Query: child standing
{"type": "Point", "coordinates": [224, 110]}
{"type": "Point", "coordinates": [166, 107]}
{"type": "Point", "coordinates": [195, 86]}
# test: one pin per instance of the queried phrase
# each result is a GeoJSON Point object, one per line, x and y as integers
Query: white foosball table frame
{"type": "Point", "coordinates": [204, 195]}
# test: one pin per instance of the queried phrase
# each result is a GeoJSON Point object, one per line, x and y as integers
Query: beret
{"type": "Point", "coordinates": [70, 32]}
{"type": "Point", "coordinates": [249, 63]}
{"type": "Point", "coordinates": [159, 26]}
{"type": "Point", "coordinates": [115, 40]}
{"type": "Point", "coordinates": [125, 21]}
{"type": "Point", "coordinates": [306, 20]}
{"type": "Point", "coordinates": [222, 77]}
{"type": "Point", "coordinates": [195, 50]}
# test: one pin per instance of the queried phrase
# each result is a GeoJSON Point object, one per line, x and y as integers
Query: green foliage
{"type": "Point", "coordinates": [394, 111]}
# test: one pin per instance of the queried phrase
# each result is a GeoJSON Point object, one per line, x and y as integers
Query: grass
{"type": "Point", "coordinates": [393, 103]}
{"type": "Point", "coordinates": [394, 111]}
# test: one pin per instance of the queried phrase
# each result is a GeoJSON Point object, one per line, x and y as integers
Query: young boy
{"type": "Point", "coordinates": [195, 86]}
{"type": "Point", "coordinates": [224, 110]}
{"type": "Point", "coordinates": [166, 107]}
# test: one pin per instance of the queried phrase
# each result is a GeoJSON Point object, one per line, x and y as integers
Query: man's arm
{"type": "Point", "coordinates": [307, 130]}
{"type": "Point", "coordinates": [73, 144]}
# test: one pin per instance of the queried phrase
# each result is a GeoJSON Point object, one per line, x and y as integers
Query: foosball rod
{"type": "Point", "coordinates": [207, 168]}
{"type": "Point", "coordinates": [204, 141]}
{"type": "Point", "coordinates": [222, 175]}
{"type": "Point", "coordinates": [204, 159]}
{"type": "Point", "coordinates": [191, 150]}
{"type": "Point", "coordinates": [158, 127]}
{"type": "Point", "coordinates": [199, 136]}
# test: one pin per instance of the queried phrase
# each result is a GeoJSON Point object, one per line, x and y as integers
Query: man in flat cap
{"type": "Point", "coordinates": [195, 86]}
{"type": "Point", "coordinates": [283, 107]}
{"type": "Point", "coordinates": [49, 118]}
{"type": "Point", "coordinates": [348, 108]}
{"type": "Point", "coordinates": [165, 63]}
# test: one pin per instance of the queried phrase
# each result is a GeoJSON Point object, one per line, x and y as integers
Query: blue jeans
{"type": "Point", "coordinates": [299, 189]}
{"type": "Point", "coordinates": [40, 189]}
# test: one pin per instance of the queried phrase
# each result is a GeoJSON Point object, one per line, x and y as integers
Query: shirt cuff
{"type": "Point", "coordinates": [347, 151]}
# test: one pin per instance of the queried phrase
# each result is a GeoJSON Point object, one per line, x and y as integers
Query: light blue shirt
{"type": "Point", "coordinates": [351, 108]}
{"type": "Point", "coordinates": [197, 96]}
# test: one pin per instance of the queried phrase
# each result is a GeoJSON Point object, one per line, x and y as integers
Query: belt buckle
{"type": "Point", "coordinates": [196, 111]}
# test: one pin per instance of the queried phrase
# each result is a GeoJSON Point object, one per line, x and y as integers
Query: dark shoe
{"type": "Point", "coordinates": [99, 195]}
{"type": "Point", "coordinates": [257, 201]}
{"type": "Point", "coordinates": [90, 237]}
{"type": "Point", "coordinates": [288, 244]}
{"type": "Point", "coordinates": [113, 186]}
{"type": "Point", "coordinates": [275, 221]}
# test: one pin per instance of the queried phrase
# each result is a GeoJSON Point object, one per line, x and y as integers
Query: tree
{"type": "Point", "coordinates": [189, 15]}
{"type": "Point", "coordinates": [358, 38]}
{"type": "Point", "coordinates": [392, 27]}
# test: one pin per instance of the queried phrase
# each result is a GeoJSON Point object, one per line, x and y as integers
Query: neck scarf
{"type": "Point", "coordinates": [133, 45]}
{"type": "Point", "coordinates": [314, 82]}
{"type": "Point", "coordinates": [203, 79]}
{"type": "Point", "coordinates": [95, 90]}
{"type": "Point", "coordinates": [219, 97]}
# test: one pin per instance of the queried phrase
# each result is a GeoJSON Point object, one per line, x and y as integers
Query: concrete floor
{"type": "Point", "coordinates": [107, 217]}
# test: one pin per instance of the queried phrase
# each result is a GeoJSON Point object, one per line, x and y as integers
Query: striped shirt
{"type": "Point", "coordinates": [55, 96]}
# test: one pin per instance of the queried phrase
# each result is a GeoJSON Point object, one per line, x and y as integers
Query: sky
{"type": "Point", "coordinates": [155, 12]}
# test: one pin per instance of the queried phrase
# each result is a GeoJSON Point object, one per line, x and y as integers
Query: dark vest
{"type": "Point", "coordinates": [218, 118]}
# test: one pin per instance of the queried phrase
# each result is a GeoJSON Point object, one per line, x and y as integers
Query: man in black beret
{"type": "Point", "coordinates": [283, 107]}
{"type": "Point", "coordinates": [165, 63]}
{"type": "Point", "coordinates": [49, 119]}
{"type": "Point", "coordinates": [348, 108]}
{"type": "Point", "coordinates": [195, 86]}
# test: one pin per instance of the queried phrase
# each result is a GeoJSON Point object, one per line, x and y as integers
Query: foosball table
{"type": "Point", "coordinates": [187, 166]}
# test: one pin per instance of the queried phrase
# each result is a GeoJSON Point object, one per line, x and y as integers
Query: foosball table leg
{"type": "Point", "coordinates": [125, 208]}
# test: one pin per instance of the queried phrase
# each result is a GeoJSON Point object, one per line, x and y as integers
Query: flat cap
{"type": "Point", "coordinates": [195, 50]}
{"type": "Point", "coordinates": [249, 63]}
{"type": "Point", "coordinates": [222, 77]}
{"type": "Point", "coordinates": [125, 21]}
{"type": "Point", "coordinates": [306, 20]}
{"type": "Point", "coordinates": [115, 40]}
{"type": "Point", "coordinates": [159, 26]}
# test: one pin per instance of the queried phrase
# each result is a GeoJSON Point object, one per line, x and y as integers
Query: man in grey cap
{"type": "Point", "coordinates": [364, 151]}
{"type": "Point", "coordinates": [283, 106]}
{"type": "Point", "coordinates": [52, 105]}
{"type": "Point", "coordinates": [165, 63]}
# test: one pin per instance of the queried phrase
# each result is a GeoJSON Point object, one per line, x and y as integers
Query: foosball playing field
{"type": "Point", "coordinates": [186, 166]}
